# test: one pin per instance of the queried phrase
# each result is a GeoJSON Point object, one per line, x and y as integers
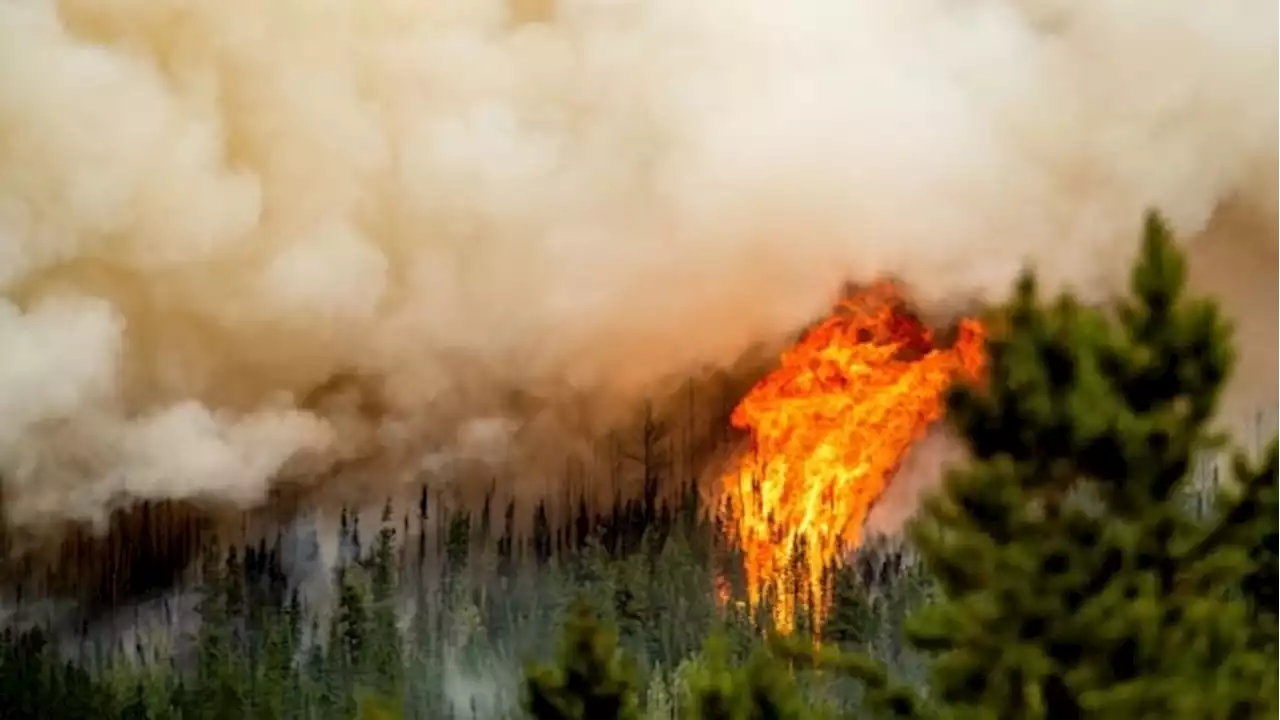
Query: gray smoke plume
{"type": "Point", "coordinates": [245, 241]}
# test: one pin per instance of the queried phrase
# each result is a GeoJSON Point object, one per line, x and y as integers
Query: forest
{"type": "Point", "coordinates": [1079, 564]}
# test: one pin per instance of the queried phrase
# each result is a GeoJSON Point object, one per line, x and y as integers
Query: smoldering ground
{"type": "Point", "coordinates": [245, 244]}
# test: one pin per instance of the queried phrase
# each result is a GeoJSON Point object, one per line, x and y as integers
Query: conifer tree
{"type": "Point", "coordinates": [1075, 582]}
{"type": "Point", "coordinates": [764, 688]}
{"type": "Point", "coordinates": [348, 644]}
{"type": "Point", "coordinates": [591, 680]}
{"type": "Point", "coordinates": [854, 617]}
{"type": "Point", "coordinates": [136, 708]}
{"type": "Point", "coordinates": [1262, 582]}
{"type": "Point", "coordinates": [274, 686]}
{"type": "Point", "coordinates": [385, 657]}
{"type": "Point", "coordinates": [218, 692]}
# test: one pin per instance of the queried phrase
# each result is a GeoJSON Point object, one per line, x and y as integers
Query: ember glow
{"type": "Point", "coordinates": [828, 430]}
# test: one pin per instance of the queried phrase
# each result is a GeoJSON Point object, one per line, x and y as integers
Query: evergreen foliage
{"type": "Point", "coordinates": [1258, 511]}
{"type": "Point", "coordinates": [1075, 581]}
{"type": "Point", "coordinates": [591, 679]}
{"type": "Point", "coordinates": [761, 688]}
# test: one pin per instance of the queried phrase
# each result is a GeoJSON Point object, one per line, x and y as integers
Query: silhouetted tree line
{"type": "Point", "coordinates": [385, 649]}
{"type": "Point", "coordinates": [1064, 573]}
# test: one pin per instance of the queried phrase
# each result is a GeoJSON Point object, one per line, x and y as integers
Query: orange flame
{"type": "Point", "coordinates": [828, 430]}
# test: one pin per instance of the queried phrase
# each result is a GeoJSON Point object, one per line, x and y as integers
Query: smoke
{"type": "Point", "coordinates": [245, 241]}
{"type": "Point", "coordinates": [483, 691]}
{"type": "Point", "coordinates": [923, 470]}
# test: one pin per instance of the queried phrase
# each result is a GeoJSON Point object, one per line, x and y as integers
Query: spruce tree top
{"type": "Point", "coordinates": [1076, 580]}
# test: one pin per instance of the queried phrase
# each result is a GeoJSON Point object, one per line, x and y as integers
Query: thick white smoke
{"type": "Point", "coordinates": [240, 239]}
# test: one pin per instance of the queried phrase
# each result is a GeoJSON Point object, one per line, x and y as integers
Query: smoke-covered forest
{"type": "Point", "coordinates": [459, 651]}
{"type": "Point", "coordinates": [1085, 561]}
{"type": "Point", "coordinates": [629, 359]}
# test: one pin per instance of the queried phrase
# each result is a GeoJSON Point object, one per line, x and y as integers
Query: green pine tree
{"type": "Point", "coordinates": [218, 691]}
{"type": "Point", "coordinates": [764, 688]}
{"type": "Point", "coordinates": [855, 615]}
{"type": "Point", "coordinates": [344, 656]}
{"type": "Point", "coordinates": [137, 708]}
{"type": "Point", "coordinates": [1261, 583]}
{"type": "Point", "coordinates": [275, 689]}
{"type": "Point", "coordinates": [592, 680]}
{"type": "Point", "coordinates": [1075, 582]}
{"type": "Point", "coordinates": [384, 670]}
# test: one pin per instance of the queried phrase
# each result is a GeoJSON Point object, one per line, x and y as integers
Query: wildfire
{"type": "Point", "coordinates": [828, 430]}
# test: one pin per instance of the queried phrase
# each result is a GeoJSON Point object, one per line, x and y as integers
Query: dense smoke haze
{"type": "Point", "coordinates": [246, 241]}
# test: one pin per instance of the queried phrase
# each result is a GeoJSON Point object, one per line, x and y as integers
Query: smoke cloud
{"type": "Point", "coordinates": [243, 241]}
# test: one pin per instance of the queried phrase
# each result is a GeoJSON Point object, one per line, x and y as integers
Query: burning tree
{"type": "Point", "coordinates": [1076, 580]}
{"type": "Point", "coordinates": [828, 430]}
